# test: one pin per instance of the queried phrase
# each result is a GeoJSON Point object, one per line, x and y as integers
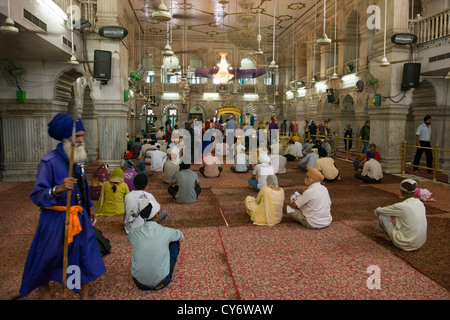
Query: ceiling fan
{"type": "Point", "coordinates": [324, 40]}
{"type": "Point", "coordinates": [273, 65]}
{"type": "Point", "coordinates": [446, 77]}
{"type": "Point", "coordinates": [9, 26]}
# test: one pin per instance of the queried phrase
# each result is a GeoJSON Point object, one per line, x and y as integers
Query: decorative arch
{"type": "Point", "coordinates": [63, 90]}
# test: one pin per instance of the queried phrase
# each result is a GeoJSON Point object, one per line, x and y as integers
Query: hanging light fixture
{"type": "Point", "coordinates": [223, 76]}
{"type": "Point", "coordinates": [335, 76]}
{"type": "Point", "coordinates": [259, 37]}
{"type": "Point", "coordinates": [9, 27]}
{"type": "Point", "coordinates": [324, 40]}
{"type": "Point", "coordinates": [384, 61]}
{"type": "Point", "coordinates": [273, 64]}
{"type": "Point", "coordinates": [162, 14]}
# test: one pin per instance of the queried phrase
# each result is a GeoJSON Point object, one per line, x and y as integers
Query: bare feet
{"type": "Point", "coordinates": [84, 292]}
{"type": "Point", "coordinates": [44, 292]}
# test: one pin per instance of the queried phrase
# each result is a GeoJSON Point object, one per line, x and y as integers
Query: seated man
{"type": "Point", "coordinates": [127, 155]}
{"type": "Point", "coordinates": [171, 166]}
{"type": "Point", "coordinates": [157, 159]}
{"type": "Point", "coordinates": [326, 145]}
{"type": "Point", "coordinates": [129, 174]}
{"type": "Point", "coordinates": [372, 171]}
{"type": "Point", "coordinates": [185, 185]}
{"type": "Point", "coordinates": [291, 151]}
{"type": "Point", "coordinates": [241, 161]}
{"type": "Point", "coordinates": [261, 171]}
{"type": "Point", "coordinates": [359, 164]}
{"type": "Point", "coordinates": [277, 161]}
{"type": "Point", "coordinates": [307, 147]}
{"type": "Point", "coordinates": [309, 160]}
{"type": "Point", "coordinates": [211, 166]}
{"type": "Point", "coordinates": [155, 250]}
{"type": "Point", "coordinates": [410, 229]}
{"type": "Point", "coordinates": [299, 146]}
{"type": "Point", "coordinates": [312, 208]}
{"type": "Point", "coordinates": [136, 201]}
{"type": "Point", "coordinates": [327, 167]}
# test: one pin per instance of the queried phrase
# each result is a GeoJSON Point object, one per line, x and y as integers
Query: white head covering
{"type": "Point", "coordinates": [272, 180]}
{"type": "Point", "coordinates": [144, 202]}
{"type": "Point", "coordinates": [264, 158]}
{"type": "Point", "coordinates": [410, 181]}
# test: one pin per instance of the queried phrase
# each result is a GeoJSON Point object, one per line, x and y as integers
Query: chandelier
{"type": "Point", "coordinates": [244, 36]}
{"type": "Point", "coordinates": [223, 76]}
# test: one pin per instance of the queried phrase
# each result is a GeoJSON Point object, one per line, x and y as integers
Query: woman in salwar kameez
{"type": "Point", "coordinates": [267, 208]}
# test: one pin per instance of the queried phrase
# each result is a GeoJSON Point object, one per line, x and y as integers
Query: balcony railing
{"type": "Point", "coordinates": [432, 28]}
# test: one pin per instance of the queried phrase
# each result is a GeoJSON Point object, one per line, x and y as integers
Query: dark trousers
{"type": "Point", "coordinates": [289, 157]}
{"type": "Point", "coordinates": [366, 179]}
{"type": "Point", "coordinates": [428, 153]}
{"type": "Point", "coordinates": [249, 167]}
{"type": "Point", "coordinates": [174, 249]}
{"type": "Point", "coordinates": [174, 190]}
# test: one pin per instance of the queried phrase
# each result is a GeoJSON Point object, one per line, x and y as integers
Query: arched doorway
{"type": "Point", "coordinates": [198, 113]}
{"type": "Point", "coordinates": [170, 114]}
{"type": "Point", "coordinates": [347, 115]}
{"type": "Point", "coordinates": [249, 115]}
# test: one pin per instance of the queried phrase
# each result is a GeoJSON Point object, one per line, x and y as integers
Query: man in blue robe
{"type": "Point", "coordinates": [45, 258]}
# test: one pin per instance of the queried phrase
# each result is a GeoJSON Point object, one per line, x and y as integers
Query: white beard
{"type": "Point", "coordinates": [80, 154]}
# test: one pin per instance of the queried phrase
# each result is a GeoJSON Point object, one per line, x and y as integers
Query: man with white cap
{"type": "Point", "coordinates": [261, 171]}
{"type": "Point", "coordinates": [410, 229]}
{"type": "Point", "coordinates": [312, 208]}
{"type": "Point", "coordinates": [136, 201]}
{"type": "Point", "coordinates": [158, 158]}
{"type": "Point", "coordinates": [155, 250]}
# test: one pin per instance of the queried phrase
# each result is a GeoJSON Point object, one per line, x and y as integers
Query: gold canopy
{"type": "Point", "coordinates": [229, 108]}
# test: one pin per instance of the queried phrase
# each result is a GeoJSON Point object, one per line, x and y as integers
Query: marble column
{"type": "Point", "coordinates": [112, 129]}
{"type": "Point", "coordinates": [387, 131]}
{"type": "Point", "coordinates": [25, 137]}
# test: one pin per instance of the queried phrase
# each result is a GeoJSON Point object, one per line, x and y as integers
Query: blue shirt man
{"type": "Point", "coordinates": [155, 250]}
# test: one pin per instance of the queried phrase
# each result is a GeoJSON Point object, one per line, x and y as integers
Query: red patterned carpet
{"type": "Point", "coordinates": [225, 257]}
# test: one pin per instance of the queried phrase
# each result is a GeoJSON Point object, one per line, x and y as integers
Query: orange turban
{"type": "Point", "coordinates": [315, 174]}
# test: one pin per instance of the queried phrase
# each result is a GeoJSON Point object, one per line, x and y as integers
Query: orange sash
{"type": "Point", "coordinates": [74, 221]}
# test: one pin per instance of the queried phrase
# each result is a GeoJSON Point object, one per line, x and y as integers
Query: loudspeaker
{"type": "Point", "coordinates": [411, 76]}
{"type": "Point", "coordinates": [330, 95]}
{"type": "Point", "coordinates": [102, 65]}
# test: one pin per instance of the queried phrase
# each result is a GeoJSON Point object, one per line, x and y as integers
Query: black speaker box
{"type": "Point", "coordinates": [102, 65]}
{"type": "Point", "coordinates": [411, 76]}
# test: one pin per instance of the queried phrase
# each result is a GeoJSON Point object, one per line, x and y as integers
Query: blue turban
{"type": "Point", "coordinates": [61, 126]}
{"type": "Point", "coordinates": [370, 154]}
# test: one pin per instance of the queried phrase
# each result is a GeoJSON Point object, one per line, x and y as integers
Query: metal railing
{"type": "Point", "coordinates": [435, 151]}
{"type": "Point", "coordinates": [334, 139]}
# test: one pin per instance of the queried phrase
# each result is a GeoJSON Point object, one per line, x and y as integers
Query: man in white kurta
{"type": "Point", "coordinates": [410, 229]}
{"type": "Point", "coordinates": [157, 160]}
{"type": "Point", "coordinates": [313, 208]}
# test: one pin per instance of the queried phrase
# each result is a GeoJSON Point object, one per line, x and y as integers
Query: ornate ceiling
{"type": "Point", "coordinates": [215, 19]}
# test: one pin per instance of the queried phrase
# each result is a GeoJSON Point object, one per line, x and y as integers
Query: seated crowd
{"type": "Point", "coordinates": [155, 248]}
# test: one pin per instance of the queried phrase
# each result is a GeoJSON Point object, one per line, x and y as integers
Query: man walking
{"type": "Point", "coordinates": [423, 135]}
